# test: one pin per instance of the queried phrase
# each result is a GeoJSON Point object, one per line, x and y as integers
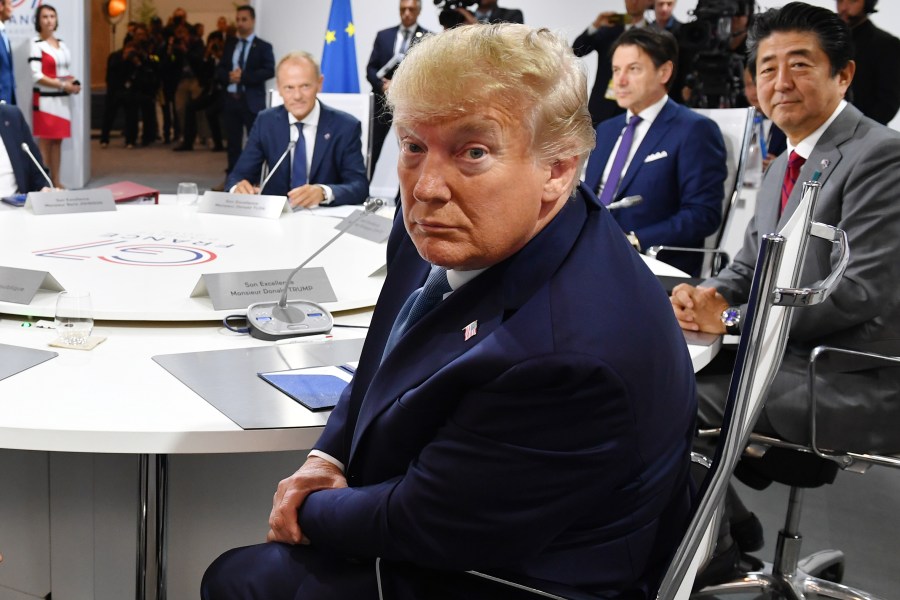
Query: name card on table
{"type": "Point", "coordinates": [243, 205]}
{"type": "Point", "coordinates": [70, 201]}
{"type": "Point", "coordinates": [368, 226]}
{"type": "Point", "coordinates": [241, 289]}
{"type": "Point", "coordinates": [20, 285]}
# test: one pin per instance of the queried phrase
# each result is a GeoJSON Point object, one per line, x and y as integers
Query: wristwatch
{"type": "Point", "coordinates": [731, 318]}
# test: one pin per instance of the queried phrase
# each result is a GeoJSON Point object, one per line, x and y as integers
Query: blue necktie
{"type": "Point", "coordinates": [618, 166]}
{"type": "Point", "coordinates": [298, 169]}
{"type": "Point", "coordinates": [419, 302]}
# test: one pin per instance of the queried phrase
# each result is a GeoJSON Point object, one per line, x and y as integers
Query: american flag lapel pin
{"type": "Point", "coordinates": [470, 330]}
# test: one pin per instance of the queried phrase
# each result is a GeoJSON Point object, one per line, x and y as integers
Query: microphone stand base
{"type": "Point", "coordinates": [269, 321]}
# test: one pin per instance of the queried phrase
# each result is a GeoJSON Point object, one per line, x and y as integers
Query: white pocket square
{"type": "Point", "coordinates": [656, 156]}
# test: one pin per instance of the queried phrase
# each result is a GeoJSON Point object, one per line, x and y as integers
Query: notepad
{"type": "Point", "coordinates": [316, 388]}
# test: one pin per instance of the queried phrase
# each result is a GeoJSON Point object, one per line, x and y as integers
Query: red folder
{"type": "Point", "coordinates": [132, 193]}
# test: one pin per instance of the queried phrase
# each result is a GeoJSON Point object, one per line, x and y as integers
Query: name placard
{"type": "Point", "coordinates": [70, 201]}
{"type": "Point", "coordinates": [20, 285]}
{"type": "Point", "coordinates": [243, 205]}
{"type": "Point", "coordinates": [368, 226]}
{"type": "Point", "coordinates": [241, 289]}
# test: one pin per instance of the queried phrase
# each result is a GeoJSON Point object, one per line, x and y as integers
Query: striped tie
{"type": "Point", "coordinates": [795, 162]}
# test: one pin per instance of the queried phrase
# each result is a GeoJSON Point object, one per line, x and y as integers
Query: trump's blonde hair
{"type": "Point", "coordinates": [525, 71]}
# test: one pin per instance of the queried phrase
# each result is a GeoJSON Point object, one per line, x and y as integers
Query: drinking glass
{"type": "Point", "coordinates": [187, 194]}
{"type": "Point", "coordinates": [74, 319]}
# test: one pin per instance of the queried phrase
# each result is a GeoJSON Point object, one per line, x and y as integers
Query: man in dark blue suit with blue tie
{"type": "Point", "coordinates": [508, 414]}
{"type": "Point", "coordinates": [391, 45]}
{"type": "Point", "coordinates": [667, 154]}
{"type": "Point", "coordinates": [247, 63]}
{"type": "Point", "coordinates": [325, 165]}
{"type": "Point", "coordinates": [23, 175]}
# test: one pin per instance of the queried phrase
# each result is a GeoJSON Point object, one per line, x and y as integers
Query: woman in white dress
{"type": "Point", "coordinates": [53, 83]}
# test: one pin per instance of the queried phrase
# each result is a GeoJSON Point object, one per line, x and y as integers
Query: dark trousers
{"type": "Point", "coordinates": [381, 126]}
{"type": "Point", "coordinates": [114, 101]}
{"type": "Point", "coordinates": [139, 106]}
{"type": "Point", "coordinates": [211, 105]}
{"type": "Point", "coordinates": [238, 118]}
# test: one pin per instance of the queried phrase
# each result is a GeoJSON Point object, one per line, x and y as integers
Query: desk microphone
{"type": "Point", "coordinates": [294, 136]}
{"type": "Point", "coordinates": [625, 202]}
{"type": "Point", "coordinates": [37, 164]}
{"type": "Point", "coordinates": [283, 319]}
{"type": "Point", "coordinates": [390, 65]}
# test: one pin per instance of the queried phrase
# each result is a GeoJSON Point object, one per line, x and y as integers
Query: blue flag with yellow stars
{"type": "Point", "coordinates": [339, 55]}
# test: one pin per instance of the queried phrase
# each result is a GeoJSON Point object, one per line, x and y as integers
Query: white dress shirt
{"type": "Point", "coordinates": [648, 115]}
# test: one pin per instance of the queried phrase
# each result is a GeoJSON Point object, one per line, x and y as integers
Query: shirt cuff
{"type": "Point", "coordinates": [326, 457]}
{"type": "Point", "coordinates": [329, 195]}
{"type": "Point", "coordinates": [591, 30]}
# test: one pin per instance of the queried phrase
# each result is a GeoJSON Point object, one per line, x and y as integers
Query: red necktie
{"type": "Point", "coordinates": [795, 162]}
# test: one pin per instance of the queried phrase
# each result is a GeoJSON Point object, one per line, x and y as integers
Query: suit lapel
{"type": "Point", "coordinates": [324, 136]}
{"type": "Point", "coordinates": [824, 158]}
{"type": "Point", "coordinates": [487, 299]}
{"type": "Point", "coordinates": [650, 143]}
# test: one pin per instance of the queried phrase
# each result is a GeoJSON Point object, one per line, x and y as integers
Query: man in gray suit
{"type": "Point", "coordinates": [801, 57]}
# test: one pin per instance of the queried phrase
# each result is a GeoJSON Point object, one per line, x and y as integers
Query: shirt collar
{"type": "Point", "coordinates": [249, 38]}
{"type": "Point", "coordinates": [457, 279]}
{"type": "Point", "coordinates": [311, 119]}
{"type": "Point", "coordinates": [805, 147]}
{"type": "Point", "coordinates": [649, 114]}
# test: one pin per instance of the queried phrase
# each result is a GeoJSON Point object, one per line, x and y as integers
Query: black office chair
{"type": "Point", "coordinates": [800, 466]}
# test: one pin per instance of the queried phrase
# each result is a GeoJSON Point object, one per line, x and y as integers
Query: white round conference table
{"type": "Point", "coordinates": [141, 264]}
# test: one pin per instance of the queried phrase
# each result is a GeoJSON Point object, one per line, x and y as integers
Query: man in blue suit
{"type": "Point", "coordinates": [325, 165]}
{"type": "Point", "coordinates": [670, 156]}
{"type": "Point", "coordinates": [247, 63]}
{"type": "Point", "coordinates": [503, 418]}
{"type": "Point", "coordinates": [23, 175]}
{"type": "Point", "coordinates": [390, 46]}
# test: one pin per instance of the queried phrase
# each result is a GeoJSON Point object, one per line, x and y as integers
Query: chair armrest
{"type": "Point", "coordinates": [846, 460]}
{"type": "Point", "coordinates": [719, 261]}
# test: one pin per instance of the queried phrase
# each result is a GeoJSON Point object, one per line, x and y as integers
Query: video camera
{"type": "Point", "coordinates": [448, 17]}
{"type": "Point", "coordinates": [714, 71]}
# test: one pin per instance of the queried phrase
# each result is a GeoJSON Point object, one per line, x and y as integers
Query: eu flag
{"type": "Point", "coordinates": [339, 55]}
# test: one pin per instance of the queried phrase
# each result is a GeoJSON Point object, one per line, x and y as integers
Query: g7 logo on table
{"type": "Point", "coordinates": [146, 252]}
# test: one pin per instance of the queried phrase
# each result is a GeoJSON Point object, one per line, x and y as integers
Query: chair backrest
{"type": "Point", "coordinates": [773, 293]}
{"type": "Point", "coordinates": [736, 125]}
{"type": "Point", "coordinates": [361, 106]}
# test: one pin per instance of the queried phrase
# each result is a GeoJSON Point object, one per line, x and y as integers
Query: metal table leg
{"type": "Point", "coordinates": [143, 501]}
{"type": "Point", "coordinates": [162, 503]}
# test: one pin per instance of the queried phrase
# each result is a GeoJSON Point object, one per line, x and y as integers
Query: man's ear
{"type": "Point", "coordinates": [561, 175]}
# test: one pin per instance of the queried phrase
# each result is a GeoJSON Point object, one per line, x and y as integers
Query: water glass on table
{"type": "Point", "coordinates": [187, 194]}
{"type": "Point", "coordinates": [74, 317]}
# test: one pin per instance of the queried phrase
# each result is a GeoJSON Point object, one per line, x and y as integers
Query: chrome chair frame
{"type": "Point", "coordinates": [788, 575]}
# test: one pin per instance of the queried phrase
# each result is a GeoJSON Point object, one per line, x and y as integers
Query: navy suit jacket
{"type": "Point", "coordinates": [679, 169]}
{"type": "Point", "coordinates": [259, 67]}
{"type": "Point", "coordinates": [337, 159]}
{"type": "Point", "coordinates": [553, 443]}
{"type": "Point", "coordinates": [13, 131]}
{"type": "Point", "coordinates": [383, 51]}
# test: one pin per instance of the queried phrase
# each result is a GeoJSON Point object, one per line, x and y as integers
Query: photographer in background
{"type": "Point", "coordinates": [599, 37]}
{"type": "Point", "coordinates": [713, 47]}
{"type": "Point", "coordinates": [487, 11]}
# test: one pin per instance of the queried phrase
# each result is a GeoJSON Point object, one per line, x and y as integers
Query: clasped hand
{"type": "Point", "coordinates": [315, 474]}
{"type": "Point", "coordinates": [698, 308]}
